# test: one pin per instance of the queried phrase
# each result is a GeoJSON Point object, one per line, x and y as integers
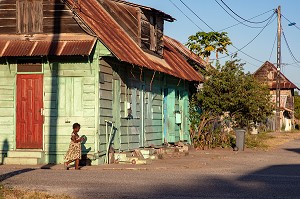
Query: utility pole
{"type": "Point", "coordinates": [277, 123]}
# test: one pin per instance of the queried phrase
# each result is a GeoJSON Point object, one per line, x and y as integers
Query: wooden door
{"type": "Point", "coordinates": [169, 115]}
{"type": "Point", "coordinates": [29, 133]}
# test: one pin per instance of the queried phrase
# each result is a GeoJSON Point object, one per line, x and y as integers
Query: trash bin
{"type": "Point", "coordinates": [240, 139]}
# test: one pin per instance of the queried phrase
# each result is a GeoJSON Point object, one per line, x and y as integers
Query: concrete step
{"type": "Point", "coordinates": [22, 161]}
{"type": "Point", "coordinates": [25, 157]}
{"type": "Point", "coordinates": [25, 154]}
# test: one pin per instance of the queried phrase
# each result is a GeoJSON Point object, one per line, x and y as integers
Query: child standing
{"type": "Point", "coordinates": [74, 152]}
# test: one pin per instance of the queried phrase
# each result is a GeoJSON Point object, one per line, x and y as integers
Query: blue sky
{"type": "Point", "coordinates": [260, 49]}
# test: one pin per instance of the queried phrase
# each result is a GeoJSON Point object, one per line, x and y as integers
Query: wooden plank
{"type": "Point", "coordinates": [6, 112]}
{"type": "Point", "coordinates": [8, 22]}
{"type": "Point", "coordinates": [105, 68]}
{"type": "Point", "coordinates": [6, 97]}
{"type": "Point", "coordinates": [11, 2]}
{"type": "Point", "coordinates": [51, 6]}
{"type": "Point", "coordinates": [105, 94]}
{"type": "Point", "coordinates": [8, 30]}
{"type": "Point", "coordinates": [88, 112]}
{"type": "Point", "coordinates": [57, 13]}
{"type": "Point", "coordinates": [88, 97]}
{"type": "Point", "coordinates": [7, 121]}
{"type": "Point", "coordinates": [63, 29]}
{"type": "Point", "coordinates": [87, 122]}
{"type": "Point", "coordinates": [89, 88]}
{"type": "Point", "coordinates": [7, 104]}
{"type": "Point", "coordinates": [7, 14]}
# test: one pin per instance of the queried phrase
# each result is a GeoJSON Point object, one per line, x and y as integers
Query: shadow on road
{"type": "Point", "coordinates": [296, 150]}
{"type": "Point", "coordinates": [278, 181]}
{"type": "Point", "coordinates": [13, 173]}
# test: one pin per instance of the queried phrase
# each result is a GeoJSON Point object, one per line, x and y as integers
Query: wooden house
{"type": "Point", "coordinates": [267, 74]}
{"type": "Point", "coordinates": [104, 64]}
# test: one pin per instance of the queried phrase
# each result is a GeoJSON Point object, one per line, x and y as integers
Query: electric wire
{"type": "Point", "coordinates": [255, 22]}
{"type": "Point", "coordinates": [240, 49]}
{"type": "Point", "coordinates": [273, 46]}
{"type": "Point", "coordinates": [196, 15]}
{"type": "Point", "coordinates": [232, 44]}
{"type": "Point", "coordinates": [289, 49]}
{"type": "Point", "coordinates": [241, 22]}
{"type": "Point", "coordinates": [248, 19]}
{"type": "Point", "coordinates": [289, 21]}
{"type": "Point", "coordinates": [186, 15]}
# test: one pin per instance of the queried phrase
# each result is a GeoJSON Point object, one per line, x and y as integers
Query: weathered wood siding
{"type": "Point", "coordinates": [126, 16]}
{"type": "Point", "coordinates": [69, 97]}
{"type": "Point", "coordinates": [137, 113]}
{"type": "Point", "coordinates": [7, 107]}
{"type": "Point", "coordinates": [144, 27]}
{"type": "Point", "coordinates": [176, 104]}
{"type": "Point", "coordinates": [8, 22]}
{"type": "Point", "coordinates": [56, 17]}
{"type": "Point", "coordinates": [133, 99]}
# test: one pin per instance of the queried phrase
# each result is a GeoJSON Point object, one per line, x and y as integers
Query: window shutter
{"type": "Point", "coordinates": [29, 16]}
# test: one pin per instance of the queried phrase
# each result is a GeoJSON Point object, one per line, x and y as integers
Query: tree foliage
{"type": "Point", "coordinates": [203, 44]}
{"type": "Point", "coordinates": [230, 90]}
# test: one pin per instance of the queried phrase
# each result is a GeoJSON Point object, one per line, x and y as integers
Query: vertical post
{"type": "Point", "coordinates": [278, 70]}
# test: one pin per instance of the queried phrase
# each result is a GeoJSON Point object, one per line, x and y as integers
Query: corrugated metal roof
{"type": "Point", "coordinates": [184, 50]}
{"type": "Point", "coordinates": [179, 65]}
{"type": "Point", "coordinates": [166, 16]}
{"type": "Point", "coordinates": [111, 34]}
{"type": "Point", "coordinates": [261, 75]}
{"type": "Point", "coordinates": [42, 45]}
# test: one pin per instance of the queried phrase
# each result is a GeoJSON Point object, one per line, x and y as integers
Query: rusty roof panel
{"type": "Point", "coordinates": [166, 16]}
{"type": "Point", "coordinates": [185, 51]}
{"type": "Point", "coordinates": [180, 65]}
{"type": "Point", "coordinates": [42, 45]}
{"type": "Point", "coordinates": [111, 34]}
{"type": "Point", "coordinates": [267, 74]}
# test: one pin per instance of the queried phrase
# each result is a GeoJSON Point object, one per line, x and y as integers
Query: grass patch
{"type": "Point", "coordinates": [270, 140]}
{"type": "Point", "coordinates": [258, 141]}
{"type": "Point", "coordinates": [9, 193]}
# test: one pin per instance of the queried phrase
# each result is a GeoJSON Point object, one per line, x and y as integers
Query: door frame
{"type": "Point", "coordinates": [29, 60]}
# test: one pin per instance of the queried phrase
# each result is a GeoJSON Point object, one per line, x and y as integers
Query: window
{"type": "Point", "coordinates": [29, 16]}
{"type": "Point", "coordinates": [30, 66]}
{"type": "Point", "coordinates": [152, 32]}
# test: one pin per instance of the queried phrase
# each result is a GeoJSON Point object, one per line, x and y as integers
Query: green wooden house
{"type": "Point", "coordinates": [104, 64]}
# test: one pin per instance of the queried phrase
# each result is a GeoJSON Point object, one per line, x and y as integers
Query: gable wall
{"type": "Point", "coordinates": [57, 18]}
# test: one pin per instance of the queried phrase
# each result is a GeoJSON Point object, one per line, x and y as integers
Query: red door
{"type": "Point", "coordinates": [29, 112]}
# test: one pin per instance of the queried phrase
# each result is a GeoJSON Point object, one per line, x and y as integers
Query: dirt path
{"type": "Point", "coordinates": [281, 138]}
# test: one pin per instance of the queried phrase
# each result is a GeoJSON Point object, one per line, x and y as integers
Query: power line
{"type": "Point", "coordinates": [240, 49]}
{"type": "Point", "coordinates": [273, 47]}
{"type": "Point", "coordinates": [255, 22]}
{"type": "Point", "coordinates": [289, 49]}
{"type": "Point", "coordinates": [290, 21]}
{"type": "Point", "coordinates": [186, 15]}
{"type": "Point", "coordinates": [242, 22]}
{"type": "Point", "coordinates": [196, 15]}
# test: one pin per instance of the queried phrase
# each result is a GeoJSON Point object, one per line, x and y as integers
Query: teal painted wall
{"type": "Point", "coordinates": [69, 97]}
{"type": "Point", "coordinates": [138, 114]}
{"type": "Point", "coordinates": [7, 107]}
{"type": "Point", "coordinates": [176, 110]}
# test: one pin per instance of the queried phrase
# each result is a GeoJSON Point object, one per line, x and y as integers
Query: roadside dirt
{"type": "Point", "coordinates": [280, 138]}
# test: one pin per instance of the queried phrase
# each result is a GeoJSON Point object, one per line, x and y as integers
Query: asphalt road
{"type": "Point", "coordinates": [202, 174]}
